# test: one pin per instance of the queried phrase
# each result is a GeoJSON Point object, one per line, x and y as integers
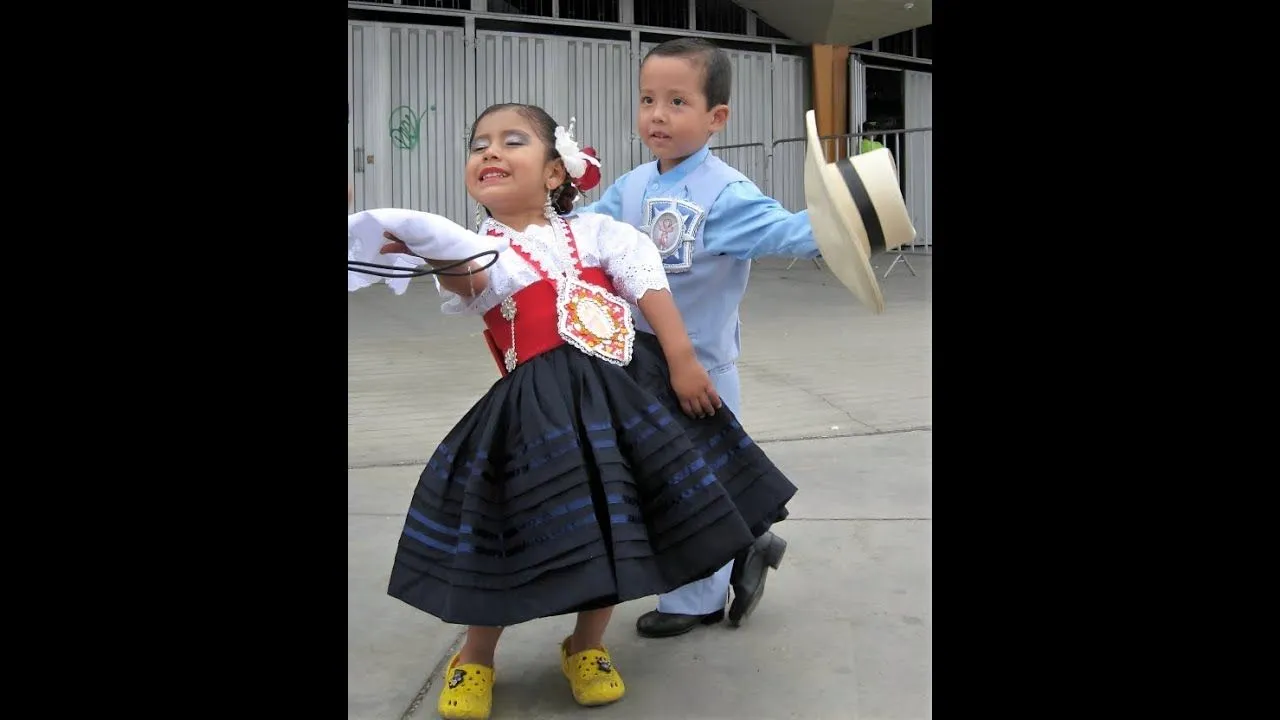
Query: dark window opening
{"type": "Point", "coordinates": [924, 41]}
{"type": "Point", "coordinates": [897, 44]}
{"type": "Point", "coordinates": [440, 4]}
{"type": "Point", "coordinates": [596, 10]}
{"type": "Point", "coordinates": [663, 13]}
{"type": "Point", "coordinates": [764, 29]}
{"type": "Point", "coordinates": [404, 18]}
{"type": "Point", "coordinates": [886, 110]}
{"type": "Point", "coordinates": [538, 8]}
{"type": "Point", "coordinates": [721, 16]}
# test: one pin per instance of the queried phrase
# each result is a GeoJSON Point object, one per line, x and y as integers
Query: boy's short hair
{"type": "Point", "coordinates": [717, 76]}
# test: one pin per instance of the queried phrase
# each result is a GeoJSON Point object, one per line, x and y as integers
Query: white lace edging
{"type": "Point", "coordinates": [637, 288]}
{"type": "Point", "coordinates": [631, 260]}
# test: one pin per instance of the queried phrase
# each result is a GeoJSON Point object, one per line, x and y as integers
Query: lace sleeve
{"type": "Point", "coordinates": [631, 260]}
{"type": "Point", "coordinates": [455, 304]}
{"type": "Point", "coordinates": [505, 277]}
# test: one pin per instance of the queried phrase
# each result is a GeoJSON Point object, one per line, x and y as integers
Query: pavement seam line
{"type": "Point", "coordinates": [839, 409]}
{"type": "Point", "coordinates": [436, 672]}
{"type": "Point", "coordinates": [841, 435]}
{"type": "Point", "coordinates": [767, 441]}
{"type": "Point", "coordinates": [793, 518]}
{"type": "Point", "coordinates": [793, 384]}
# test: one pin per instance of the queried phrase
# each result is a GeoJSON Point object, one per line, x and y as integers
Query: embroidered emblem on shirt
{"type": "Point", "coordinates": [672, 224]}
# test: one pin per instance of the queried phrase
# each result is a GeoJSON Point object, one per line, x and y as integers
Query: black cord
{"type": "Point", "coordinates": [357, 266]}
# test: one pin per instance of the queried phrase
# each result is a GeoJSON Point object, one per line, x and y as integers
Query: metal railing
{"type": "Point", "coordinates": [778, 170]}
{"type": "Point", "coordinates": [750, 159]}
{"type": "Point", "coordinates": [912, 150]}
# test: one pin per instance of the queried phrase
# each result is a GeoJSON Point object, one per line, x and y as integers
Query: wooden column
{"type": "Point", "coordinates": [831, 96]}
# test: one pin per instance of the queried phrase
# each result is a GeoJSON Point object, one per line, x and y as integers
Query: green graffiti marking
{"type": "Point", "coordinates": [406, 126]}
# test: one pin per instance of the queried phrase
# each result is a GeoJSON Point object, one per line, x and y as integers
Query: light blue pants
{"type": "Point", "coordinates": [706, 596]}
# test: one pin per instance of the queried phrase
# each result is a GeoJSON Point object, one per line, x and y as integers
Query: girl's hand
{"type": "Point", "coordinates": [692, 384]}
{"type": "Point", "coordinates": [394, 245]}
{"type": "Point", "coordinates": [464, 285]}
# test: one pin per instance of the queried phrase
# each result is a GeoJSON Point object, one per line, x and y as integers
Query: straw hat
{"type": "Point", "coordinates": [851, 202]}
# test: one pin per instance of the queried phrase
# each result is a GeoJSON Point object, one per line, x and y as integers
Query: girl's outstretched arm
{"type": "Point", "coordinates": [464, 285]}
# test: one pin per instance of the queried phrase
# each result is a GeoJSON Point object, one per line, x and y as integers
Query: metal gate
{"type": "Point", "coordinates": [918, 157]}
{"type": "Point", "coordinates": [914, 148]}
{"type": "Point", "coordinates": [588, 80]}
{"type": "Point", "coordinates": [792, 91]}
{"type": "Point", "coordinates": [408, 117]}
{"type": "Point", "coordinates": [362, 139]}
{"type": "Point", "coordinates": [427, 121]}
{"type": "Point", "coordinates": [858, 94]}
{"type": "Point", "coordinates": [415, 89]}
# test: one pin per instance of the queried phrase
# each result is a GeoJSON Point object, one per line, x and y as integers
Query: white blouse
{"type": "Point", "coordinates": [627, 256]}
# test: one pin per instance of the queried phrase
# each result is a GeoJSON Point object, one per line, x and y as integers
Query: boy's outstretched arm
{"type": "Point", "coordinates": [610, 202]}
{"type": "Point", "coordinates": [745, 223]}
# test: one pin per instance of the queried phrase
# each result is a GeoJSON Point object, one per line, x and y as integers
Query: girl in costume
{"type": "Point", "coordinates": [601, 467]}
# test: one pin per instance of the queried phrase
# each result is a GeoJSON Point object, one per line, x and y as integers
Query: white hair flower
{"type": "Point", "coordinates": [575, 160]}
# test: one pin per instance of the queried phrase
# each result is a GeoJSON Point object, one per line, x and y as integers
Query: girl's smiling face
{"type": "Point", "coordinates": [507, 164]}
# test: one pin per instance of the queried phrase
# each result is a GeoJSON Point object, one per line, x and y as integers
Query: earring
{"type": "Point", "coordinates": [548, 209]}
{"type": "Point", "coordinates": [479, 217]}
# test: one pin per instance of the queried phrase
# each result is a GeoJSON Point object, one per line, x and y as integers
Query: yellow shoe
{"type": "Point", "coordinates": [467, 693]}
{"type": "Point", "coordinates": [592, 676]}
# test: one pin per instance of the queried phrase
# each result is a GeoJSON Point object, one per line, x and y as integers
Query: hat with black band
{"type": "Point", "coordinates": [852, 203]}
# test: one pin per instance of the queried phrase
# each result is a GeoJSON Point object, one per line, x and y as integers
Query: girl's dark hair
{"type": "Point", "coordinates": [562, 197]}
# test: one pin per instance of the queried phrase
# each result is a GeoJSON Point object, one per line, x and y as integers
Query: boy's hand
{"type": "Point", "coordinates": [692, 384]}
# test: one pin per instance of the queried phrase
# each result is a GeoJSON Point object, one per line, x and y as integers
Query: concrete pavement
{"type": "Point", "coordinates": [841, 399]}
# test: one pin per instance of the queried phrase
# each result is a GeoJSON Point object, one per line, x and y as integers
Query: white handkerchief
{"type": "Point", "coordinates": [368, 252]}
{"type": "Point", "coordinates": [426, 234]}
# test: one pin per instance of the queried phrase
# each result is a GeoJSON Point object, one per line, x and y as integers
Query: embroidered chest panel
{"type": "Point", "coordinates": [673, 225]}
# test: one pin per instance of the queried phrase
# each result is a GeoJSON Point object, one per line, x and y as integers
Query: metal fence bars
{"type": "Point", "coordinates": [912, 150]}
{"type": "Point", "coordinates": [750, 159]}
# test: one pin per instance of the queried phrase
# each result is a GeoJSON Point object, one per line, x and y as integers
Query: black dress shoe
{"type": "Point", "coordinates": [750, 570]}
{"type": "Point", "coordinates": [656, 624]}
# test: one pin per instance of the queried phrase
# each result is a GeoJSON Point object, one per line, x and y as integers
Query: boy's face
{"type": "Point", "coordinates": [674, 120]}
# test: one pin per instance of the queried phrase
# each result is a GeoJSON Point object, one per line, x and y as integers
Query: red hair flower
{"type": "Point", "coordinates": [591, 176]}
{"type": "Point", "coordinates": [582, 165]}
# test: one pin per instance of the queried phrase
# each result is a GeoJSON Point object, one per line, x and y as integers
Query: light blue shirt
{"type": "Point", "coordinates": [743, 223]}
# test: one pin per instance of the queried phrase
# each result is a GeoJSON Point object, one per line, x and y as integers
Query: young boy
{"type": "Point", "coordinates": [709, 221]}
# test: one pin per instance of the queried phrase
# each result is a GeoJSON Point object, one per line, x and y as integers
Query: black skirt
{"type": "Point", "coordinates": [575, 484]}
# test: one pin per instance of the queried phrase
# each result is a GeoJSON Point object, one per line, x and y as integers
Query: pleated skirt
{"type": "Point", "coordinates": [575, 484]}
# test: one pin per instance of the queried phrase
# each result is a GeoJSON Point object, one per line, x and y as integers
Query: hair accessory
{"type": "Point", "coordinates": [583, 165]}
